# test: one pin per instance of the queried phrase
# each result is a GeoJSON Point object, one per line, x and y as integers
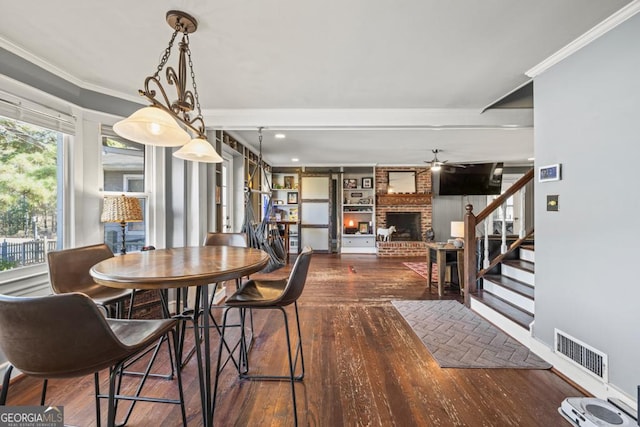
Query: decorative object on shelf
{"type": "Point", "coordinates": [292, 198]}
{"type": "Point", "coordinates": [385, 233]}
{"type": "Point", "coordinates": [363, 227]}
{"type": "Point", "coordinates": [121, 209]}
{"type": "Point", "coordinates": [549, 173]}
{"type": "Point", "coordinates": [349, 183]}
{"type": "Point", "coordinates": [356, 194]}
{"type": "Point", "coordinates": [457, 232]}
{"type": "Point", "coordinates": [429, 235]}
{"type": "Point", "coordinates": [367, 182]}
{"type": "Point", "coordinates": [289, 182]}
{"type": "Point", "coordinates": [278, 202]}
{"type": "Point", "coordinates": [159, 123]}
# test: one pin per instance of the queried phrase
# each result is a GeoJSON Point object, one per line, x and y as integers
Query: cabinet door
{"type": "Point", "coordinates": [315, 212]}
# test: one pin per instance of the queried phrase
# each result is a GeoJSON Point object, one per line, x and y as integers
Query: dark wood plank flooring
{"type": "Point", "coordinates": [364, 367]}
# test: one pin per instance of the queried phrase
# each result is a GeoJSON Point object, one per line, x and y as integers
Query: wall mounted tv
{"type": "Point", "coordinates": [471, 179]}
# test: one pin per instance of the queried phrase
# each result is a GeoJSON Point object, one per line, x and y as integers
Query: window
{"type": "Point", "coordinates": [123, 166]}
{"type": "Point", "coordinates": [30, 196]}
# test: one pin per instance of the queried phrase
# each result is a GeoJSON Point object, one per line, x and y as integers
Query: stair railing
{"type": "Point", "coordinates": [471, 222]}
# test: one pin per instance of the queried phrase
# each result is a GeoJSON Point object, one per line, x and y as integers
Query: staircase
{"type": "Point", "coordinates": [507, 295]}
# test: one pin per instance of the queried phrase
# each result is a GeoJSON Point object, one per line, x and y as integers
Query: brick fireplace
{"type": "Point", "coordinates": [402, 206]}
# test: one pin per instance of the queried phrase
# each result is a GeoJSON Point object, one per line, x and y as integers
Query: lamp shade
{"type": "Point", "coordinates": [152, 126]}
{"type": "Point", "coordinates": [198, 150]}
{"type": "Point", "coordinates": [457, 229]}
{"type": "Point", "coordinates": [121, 209]}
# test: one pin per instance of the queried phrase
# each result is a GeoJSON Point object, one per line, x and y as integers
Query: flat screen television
{"type": "Point", "coordinates": [471, 179]}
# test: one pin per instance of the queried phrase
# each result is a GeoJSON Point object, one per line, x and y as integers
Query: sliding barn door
{"type": "Point", "coordinates": [315, 212]}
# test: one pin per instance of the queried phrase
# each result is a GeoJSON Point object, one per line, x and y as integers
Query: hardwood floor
{"type": "Point", "coordinates": [364, 367]}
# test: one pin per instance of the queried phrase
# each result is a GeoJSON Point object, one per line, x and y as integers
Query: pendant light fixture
{"type": "Point", "coordinates": [163, 123]}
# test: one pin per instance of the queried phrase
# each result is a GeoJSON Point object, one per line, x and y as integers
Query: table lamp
{"type": "Point", "coordinates": [121, 209]}
{"type": "Point", "coordinates": [457, 232]}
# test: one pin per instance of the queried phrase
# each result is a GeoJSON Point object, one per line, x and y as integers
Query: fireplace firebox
{"type": "Point", "coordinates": [408, 226]}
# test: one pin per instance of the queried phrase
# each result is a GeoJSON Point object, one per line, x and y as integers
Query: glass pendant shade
{"type": "Point", "coordinates": [152, 126]}
{"type": "Point", "coordinates": [198, 150]}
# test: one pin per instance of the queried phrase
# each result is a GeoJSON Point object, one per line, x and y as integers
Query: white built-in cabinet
{"type": "Point", "coordinates": [358, 210]}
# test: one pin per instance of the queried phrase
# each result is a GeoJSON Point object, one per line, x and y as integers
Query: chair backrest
{"type": "Point", "coordinates": [297, 278]}
{"type": "Point", "coordinates": [57, 335]}
{"type": "Point", "coordinates": [226, 239]}
{"type": "Point", "coordinates": [69, 268]}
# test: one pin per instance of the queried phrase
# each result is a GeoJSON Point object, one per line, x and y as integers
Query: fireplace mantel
{"type": "Point", "coordinates": [409, 199]}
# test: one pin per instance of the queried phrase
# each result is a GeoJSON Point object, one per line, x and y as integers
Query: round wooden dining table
{"type": "Point", "coordinates": [178, 268]}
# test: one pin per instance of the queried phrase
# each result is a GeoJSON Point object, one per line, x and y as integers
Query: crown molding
{"type": "Point", "coordinates": [599, 30]}
{"type": "Point", "coordinates": [47, 66]}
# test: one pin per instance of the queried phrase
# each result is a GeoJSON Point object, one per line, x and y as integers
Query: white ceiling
{"type": "Point", "coordinates": [348, 82]}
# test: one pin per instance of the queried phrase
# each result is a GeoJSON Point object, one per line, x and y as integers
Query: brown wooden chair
{"type": "Point", "coordinates": [69, 272]}
{"type": "Point", "coordinates": [274, 295]}
{"type": "Point", "coordinates": [66, 336]}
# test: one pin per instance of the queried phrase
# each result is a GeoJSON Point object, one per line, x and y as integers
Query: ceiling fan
{"type": "Point", "coordinates": [436, 164]}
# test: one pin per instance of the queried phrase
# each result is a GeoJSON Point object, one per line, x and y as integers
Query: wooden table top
{"type": "Point", "coordinates": [446, 246]}
{"type": "Point", "coordinates": [178, 267]}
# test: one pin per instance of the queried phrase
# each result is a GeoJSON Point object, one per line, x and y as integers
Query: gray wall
{"type": "Point", "coordinates": [587, 117]}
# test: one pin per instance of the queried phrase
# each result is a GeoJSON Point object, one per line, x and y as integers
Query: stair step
{"type": "Point", "coordinates": [520, 264]}
{"type": "Point", "coordinates": [527, 254]}
{"type": "Point", "coordinates": [529, 247]}
{"type": "Point", "coordinates": [513, 285]}
{"type": "Point", "coordinates": [506, 309]}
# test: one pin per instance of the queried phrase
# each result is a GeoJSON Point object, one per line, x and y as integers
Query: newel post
{"type": "Point", "coordinates": [470, 260]}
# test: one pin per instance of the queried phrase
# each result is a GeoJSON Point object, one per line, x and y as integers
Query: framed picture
{"type": "Point", "coordinates": [363, 227]}
{"type": "Point", "coordinates": [402, 182]}
{"type": "Point", "coordinates": [549, 173]}
{"type": "Point", "coordinates": [350, 183]}
{"type": "Point", "coordinates": [367, 182]}
{"type": "Point", "coordinates": [288, 182]}
{"type": "Point", "coordinates": [292, 198]}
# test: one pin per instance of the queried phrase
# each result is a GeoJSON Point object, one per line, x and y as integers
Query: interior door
{"type": "Point", "coordinates": [315, 212]}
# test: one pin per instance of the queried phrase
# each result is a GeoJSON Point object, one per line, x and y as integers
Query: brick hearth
{"type": "Point", "coordinates": [391, 249]}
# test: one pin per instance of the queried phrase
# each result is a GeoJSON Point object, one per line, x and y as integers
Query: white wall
{"type": "Point", "coordinates": [587, 117]}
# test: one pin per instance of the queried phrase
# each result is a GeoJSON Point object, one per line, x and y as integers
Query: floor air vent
{"type": "Point", "coordinates": [585, 356]}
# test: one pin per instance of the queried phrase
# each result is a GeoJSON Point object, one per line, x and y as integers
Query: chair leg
{"type": "Point", "coordinates": [144, 378]}
{"type": "Point", "coordinates": [111, 411]}
{"type": "Point", "coordinates": [43, 395]}
{"type": "Point", "coordinates": [174, 338]}
{"type": "Point", "coordinates": [131, 301]}
{"type": "Point", "coordinates": [96, 384]}
{"type": "Point", "coordinates": [218, 368]}
{"type": "Point", "coordinates": [5, 385]}
{"type": "Point", "coordinates": [299, 346]}
{"type": "Point", "coordinates": [291, 367]}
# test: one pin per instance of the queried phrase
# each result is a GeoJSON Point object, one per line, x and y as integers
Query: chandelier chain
{"type": "Point", "coordinates": [193, 77]}
{"type": "Point", "coordinates": [166, 54]}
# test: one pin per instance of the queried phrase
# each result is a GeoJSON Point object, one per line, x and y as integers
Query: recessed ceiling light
{"type": "Point", "coordinates": [531, 159]}
{"type": "Point", "coordinates": [295, 159]}
{"type": "Point", "coordinates": [280, 136]}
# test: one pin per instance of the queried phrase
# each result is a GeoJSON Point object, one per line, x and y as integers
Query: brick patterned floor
{"type": "Point", "coordinates": [459, 338]}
